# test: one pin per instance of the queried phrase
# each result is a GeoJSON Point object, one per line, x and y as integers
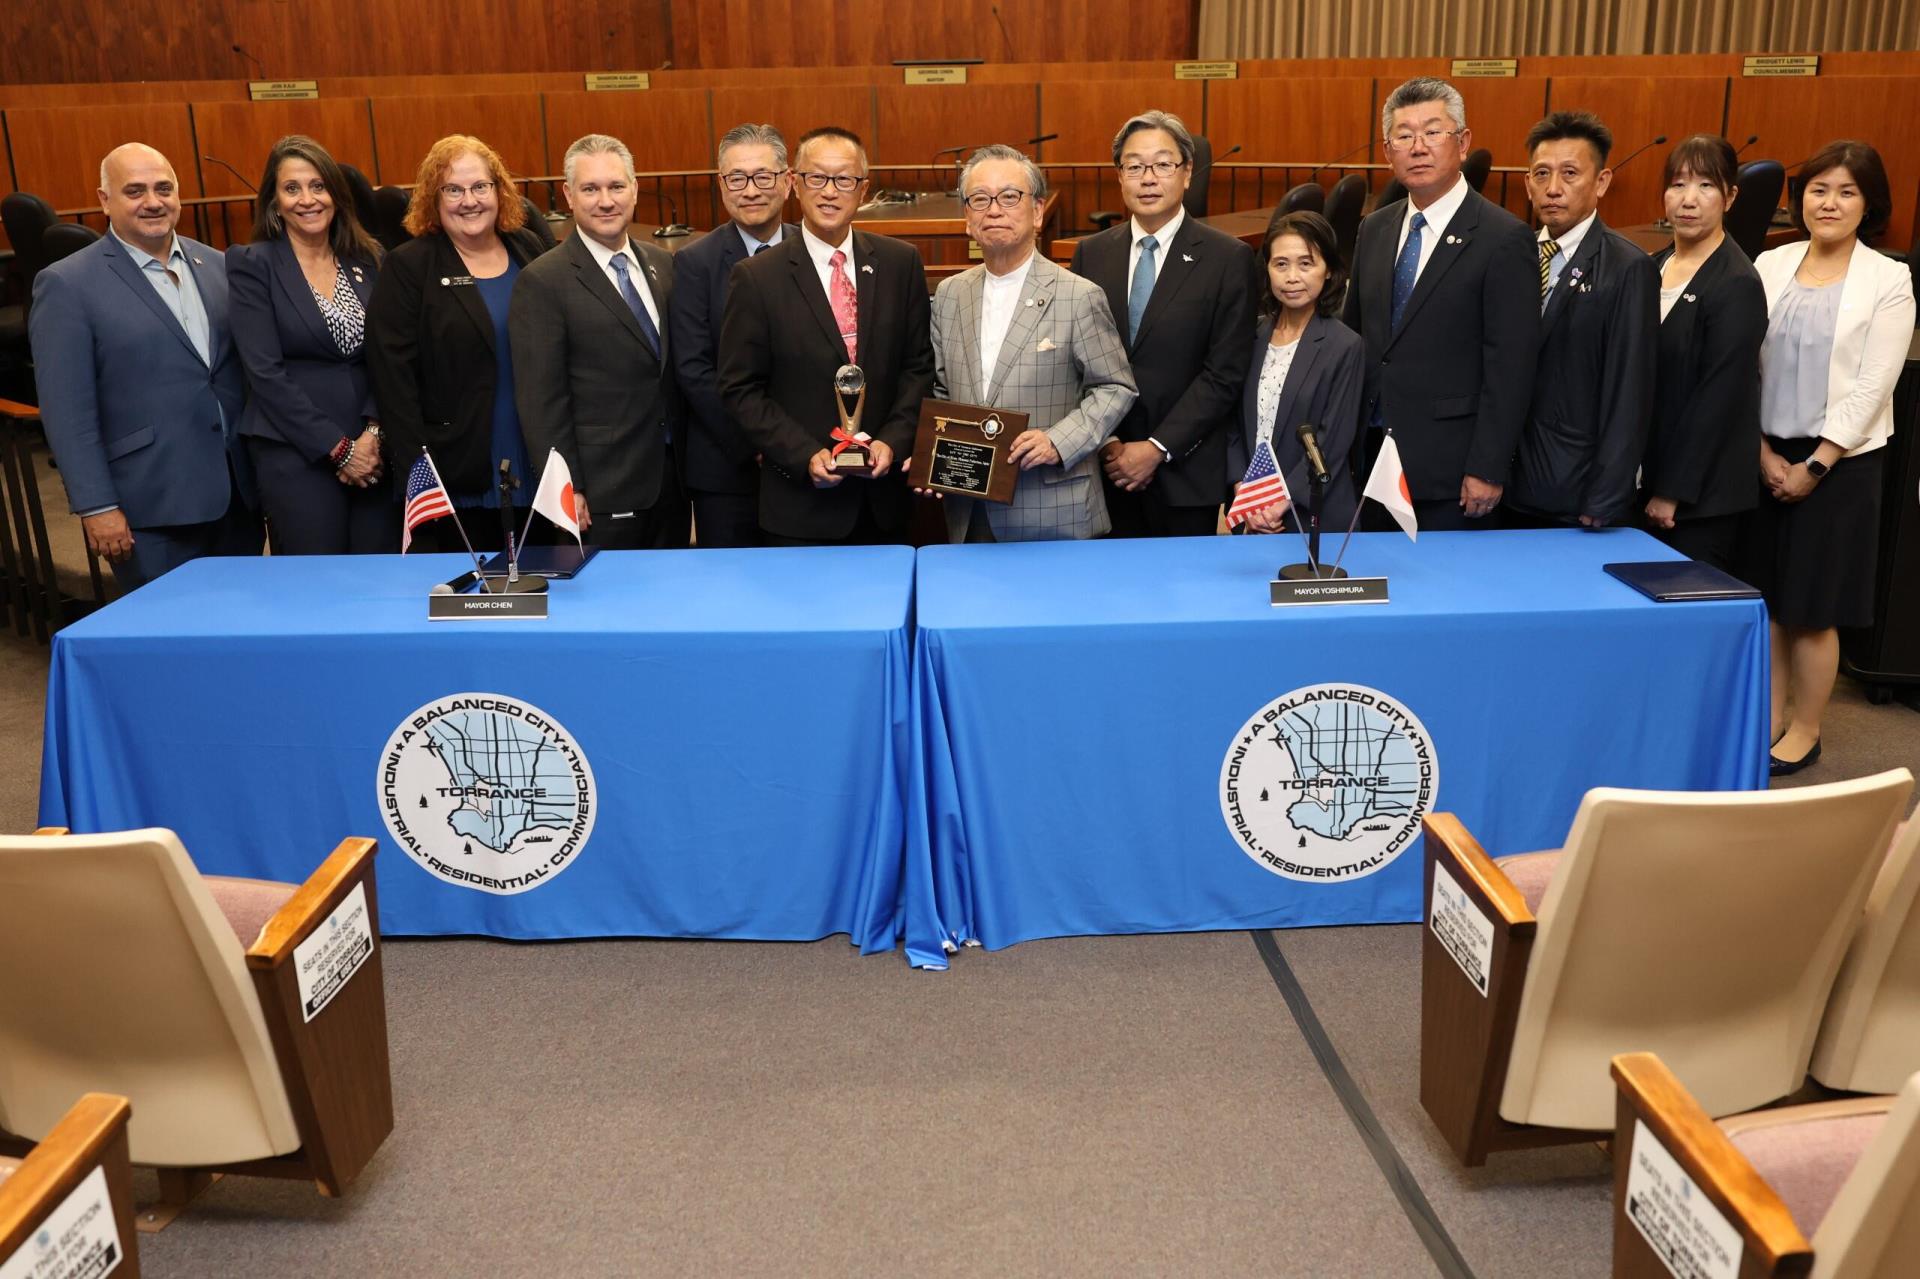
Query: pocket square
{"type": "Point", "coordinates": [1046, 344]}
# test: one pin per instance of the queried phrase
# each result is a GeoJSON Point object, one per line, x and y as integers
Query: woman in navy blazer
{"type": "Point", "coordinates": [299, 307]}
{"type": "Point", "coordinates": [1313, 368]}
{"type": "Point", "coordinates": [1697, 476]}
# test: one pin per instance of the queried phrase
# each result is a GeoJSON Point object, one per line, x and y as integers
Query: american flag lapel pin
{"type": "Point", "coordinates": [866, 268]}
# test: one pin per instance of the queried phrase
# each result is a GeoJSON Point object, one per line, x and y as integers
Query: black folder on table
{"type": "Point", "coordinates": [545, 561]}
{"type": "Point", "coordinates": [1671, 580]}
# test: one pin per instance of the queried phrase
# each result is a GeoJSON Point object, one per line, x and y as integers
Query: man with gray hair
{"type": "Point", "coordinates": [592, 361]}
{"type": "Point", "coordinates": [1184, 294]}
{"type": "Point", "coordinates": [723, 475]}
{"type": "Point", "coordinates": [1019, 333]}
{"type": "Point", "coordinates": [1445, 295]}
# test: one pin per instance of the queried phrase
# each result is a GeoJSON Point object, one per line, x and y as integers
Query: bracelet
{"type": "Point", "coordinates": [342, 454]}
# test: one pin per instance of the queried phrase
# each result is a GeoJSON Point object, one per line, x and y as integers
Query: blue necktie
{"type": "Point", "coordinates": [634, 304]}
{"type": "Point", "coordinates": [1142, 287]}
{"type": "Point", "coordinates": [1407, 269]}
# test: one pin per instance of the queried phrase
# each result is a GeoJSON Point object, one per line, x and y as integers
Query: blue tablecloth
{"type": "Point", "coordinates": [1093, 756]}
{"type": "Point", "coordinates": [742, 714]}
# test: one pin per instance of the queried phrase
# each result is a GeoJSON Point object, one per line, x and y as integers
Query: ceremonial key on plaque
{"type": "Point", "coordinates": [961, 450]}
{"type": "Point", "coordinates": [851, 456]}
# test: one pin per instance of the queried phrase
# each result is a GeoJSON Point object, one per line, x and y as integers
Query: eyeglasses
{"type": "Point", "coordinates": [838, 181]}
{"type": "Point", "coordinates": [1404, 140]}
{"type": "Point", "coordinates": [1161, 169]}
{"type": "Point", "coordinates": [981, 201]}
{"type": "Point", "coordinates": [761, 178]}
{"type": "Point", "coordinates": [479, 191]}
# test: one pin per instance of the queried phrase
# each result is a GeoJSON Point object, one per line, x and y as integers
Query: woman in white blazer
{"type": "Point", "coordinates": [1840, 319]}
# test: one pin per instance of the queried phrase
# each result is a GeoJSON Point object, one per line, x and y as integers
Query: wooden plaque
{"type": "Point", "coordinates": [961, 449]}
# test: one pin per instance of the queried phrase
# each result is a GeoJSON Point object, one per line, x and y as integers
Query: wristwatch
{"type": "Point", "coordinates": [1817, 469]}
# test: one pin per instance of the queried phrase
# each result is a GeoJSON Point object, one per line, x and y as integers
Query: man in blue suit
{"type": "Point", "coordinates": [722, 474]}
{"type": "Point", "coordinates": [140, 386]}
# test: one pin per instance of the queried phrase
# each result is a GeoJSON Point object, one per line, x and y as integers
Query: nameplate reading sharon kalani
{"type": "Point", "coordinates": [961, 450]}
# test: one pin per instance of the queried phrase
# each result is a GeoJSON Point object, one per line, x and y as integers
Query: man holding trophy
{"type": "Point", "coordinates": [1019, 338]}
{"type": "Point", "coordinates": [825, 358]}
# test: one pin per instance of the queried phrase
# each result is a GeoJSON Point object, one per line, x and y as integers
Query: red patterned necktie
{"type": "Point", "coordinates": [845, 309]}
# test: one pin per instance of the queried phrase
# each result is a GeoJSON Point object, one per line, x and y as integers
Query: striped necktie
{"type": "Point", "coordinates": [1549, 250]}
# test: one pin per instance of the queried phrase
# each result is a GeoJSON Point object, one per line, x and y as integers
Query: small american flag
{"type": "Point", "coordinates": [426, 499]}
{"type": "Point", "coordinates": [1262, 486]}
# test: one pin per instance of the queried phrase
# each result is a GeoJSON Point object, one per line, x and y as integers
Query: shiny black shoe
{"type": "Point", "coordinates": [1777, 767]}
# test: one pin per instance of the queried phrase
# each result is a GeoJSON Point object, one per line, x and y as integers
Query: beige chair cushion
{"type": "Point", "coordinates": [1808, 1157]}
{"type": "Point", "coordinates": [248, 903]}
{"type": "Point", "coordinates": [1530, 873]}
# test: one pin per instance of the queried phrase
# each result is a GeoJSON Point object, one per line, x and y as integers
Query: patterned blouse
{"type": "Point", "coordinates": [346, 318]}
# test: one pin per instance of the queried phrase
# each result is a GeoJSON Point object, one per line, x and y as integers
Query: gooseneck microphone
{"type": "Point", "coordinates": [258, 65]}
{"type": "Point", "coordinates": [674, 227]}
{"type": "Point", "coordinates": [214, 159]}
{"type": "Point", "coordinates": [1338, 158]}
{"type": "Point", "coordinates": [1310, 441]}
{"type": "Point", "coordinates": [1751, 139]}
{"type": "Point", "coordinates": [1653, 142]}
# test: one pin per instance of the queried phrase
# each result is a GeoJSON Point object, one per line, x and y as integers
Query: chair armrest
{"type": "Point", "coordinates": [93, 1134]}
{"type": "Point", "coordinates": [22, 412]}
{"type": "Point", "coordinates": [49, 830]}
{"type": "Point", "coordinates": [335, 1065]}
{"type": "Point", "coordinates": [350, 861]}
{"type": "Point", "coordinates": [1466, 1027]}
{"type": "Point", "coordinates": [1650, 1093]}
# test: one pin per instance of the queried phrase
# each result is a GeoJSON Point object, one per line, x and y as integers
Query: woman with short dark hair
{"type": "Point", "coordinates": [1840, 319]}
{"type": "Point", "coordinates": [1696, 480]}
{"type": "Point", "coordinates": [298, 298]}
{"type": "Point", "coordinates": [1307, 369]}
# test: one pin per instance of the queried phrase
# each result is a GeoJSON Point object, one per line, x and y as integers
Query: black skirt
{"type": "Point", "coordinates": [1814, 559]}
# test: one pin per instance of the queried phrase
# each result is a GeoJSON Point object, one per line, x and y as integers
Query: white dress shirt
{"type": "Point", "coordinates": [1161, 239]}
{"type": "Point", "coordinates": [822, 254]}
{"type": "Point", "coordinates": [999, 299]}
{"type": "Point", "coordinates": [636, 271]}
{"type": "Point", "coordinates": [1569, 245]}
{"type": "Point", "coordinates": [754, 245]}
{"type": "Point", "coordinates": [1438, 214]}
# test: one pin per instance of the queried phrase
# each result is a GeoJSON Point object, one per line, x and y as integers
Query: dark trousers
{"type": "Point", "coordinates": [726, 519]}
{"type": "Point", "coordinates": [309, 512]}
{"type": "Point", "coordinates": [1714, 540]}
{"type": "Point", "coordinates": [1440, 515]}
{"type": "Point", "coordinates": [664, 526]}
{"type": "Point", "coordinates": [866, 532]}
{"type": "Point", "coordinates": [161, 549]}
{"type": "Point", "coordinates": [1147, 514]}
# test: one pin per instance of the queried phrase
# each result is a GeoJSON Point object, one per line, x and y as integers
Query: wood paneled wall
{"type": "Point", "coordinates": [1302, 114]}
{"type": "Point", "coordinates": [91, 41]}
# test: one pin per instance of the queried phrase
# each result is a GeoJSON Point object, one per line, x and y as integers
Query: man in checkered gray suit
{"type": "Point", "coordinates": [1020, 333]}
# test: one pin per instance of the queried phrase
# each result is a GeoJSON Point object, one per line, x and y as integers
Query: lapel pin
{"type": "Point", "coordinates": [1576, 273]}
{"type": "Point", "coordinates": [444, 280]}
{"type": "Point", "coordinates": [199, 261]}
{"type": "Point", "coordinates": [1029, 301]}
{"type": "Point", "coordinates": [1452, 240]}
{"type": "Point", "coordinates": [866, 268]}
{"type": "Point", "coordinates": [1186, 257]}
{"type": "Point", "coordinates": [1689, 297]}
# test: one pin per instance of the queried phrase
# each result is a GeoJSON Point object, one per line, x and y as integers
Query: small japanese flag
{"type": "Point", "coordinates": [1387, 485]}
{"type": "Point", "coordinates": [554, 498]}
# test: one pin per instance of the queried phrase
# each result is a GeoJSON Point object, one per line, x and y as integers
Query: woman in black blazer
{"type": "Point", "coordinates": [1307, 368]}
{"type": "Point", "coordinates": [1697, 476]}
{"type": "Point", "coordinates": [442, 367]}
{"type": "Point", "coordinates": [298, 296]}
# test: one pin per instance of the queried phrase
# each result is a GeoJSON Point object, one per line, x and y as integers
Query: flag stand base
{"type": "Point", "coordinates": [1310, 572]}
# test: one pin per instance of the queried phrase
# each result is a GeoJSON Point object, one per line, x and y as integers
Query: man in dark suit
{"type": "Point", "coordinates": [140, 386]}
{"type": "Point", "coordinates": [592, 361]}
{"type": "Point", "coordinates": [1184, 295]}
{"type": "Point", "coordinates": [722, 475]}
{"type": "Point", "coordinates": [1446, 295]}
{"type": "Point", "coordinates": [825, 298]}
{"type": "Point", "coordinates": [1599, 322]}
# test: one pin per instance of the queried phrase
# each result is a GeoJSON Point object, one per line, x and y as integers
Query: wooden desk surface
{"type": "Point", "coordinates": [928, 216]}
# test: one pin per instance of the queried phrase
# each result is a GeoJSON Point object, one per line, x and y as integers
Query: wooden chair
{"type": "Point", "coordinates": [1870, 1038]}
{"type": "Point", "coordinates": [230, 1012]}
{"type": "Point", "coordinates": [1830, 1189]}
{"type": "Point", "coordinates": [31, 597]}
{"type": "Point", "coordinates": [1705, 927]}
{"type": "Point", "coordinates": [91, 1135]}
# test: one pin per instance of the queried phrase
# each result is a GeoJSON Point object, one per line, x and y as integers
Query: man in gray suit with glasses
{"type": "Point", "coordinates": [1020, 333]}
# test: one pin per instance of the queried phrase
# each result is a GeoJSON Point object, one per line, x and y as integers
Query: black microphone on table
{"type": "Point", "coordinates": [1338, 158]}
{"type": "Point", "coordinates": [258, 65]}
{"type": "Point", "coordinates": [214, 159]}
{"type": "Point", "coordinates": [1655, 141]}
{"type": "Point", "coordinates": [1235, 149]}
{"type": "Point", "coordinates": [1753, 138]}
{"type": "Point", "coordinates": [674, 226]}
{"type": "Point", "coordinates": [1004, 33]}
{"type": "Point", "coordinates": [1045, 137]}
{"type": "Point", "coordinates": [934, 159]}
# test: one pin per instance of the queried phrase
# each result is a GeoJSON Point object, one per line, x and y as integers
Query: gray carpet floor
{"type": "Point", "coordinates": [1095, 1105]}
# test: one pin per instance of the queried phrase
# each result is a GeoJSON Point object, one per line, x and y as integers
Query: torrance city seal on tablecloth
{"type": "Point", "coordinates": [487, 791]}
{"type": "Point", "coordinates": [961, 449]}
{"type": "Point", "coordinates": [1328, 783]}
